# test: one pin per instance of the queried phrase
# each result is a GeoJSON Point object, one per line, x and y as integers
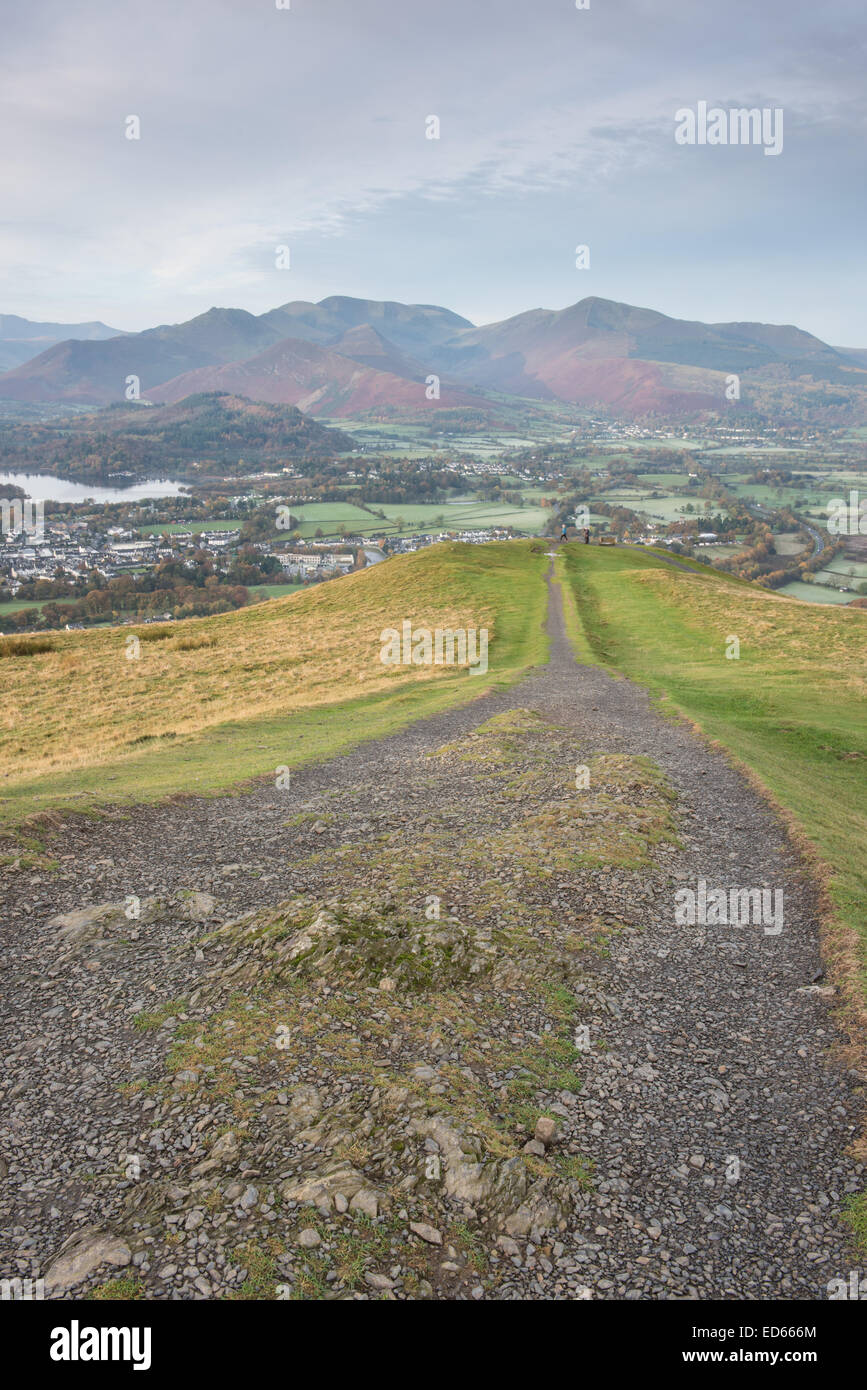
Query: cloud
{"type": "Point", "coordinates": [307, 126]}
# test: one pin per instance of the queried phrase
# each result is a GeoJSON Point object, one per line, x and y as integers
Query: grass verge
{"type": "Point", "coordinates": [789, 707]}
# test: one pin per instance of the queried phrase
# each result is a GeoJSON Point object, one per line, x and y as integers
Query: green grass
{"type": "Point", "coordinates": [154, 1018]}
{"type": "Point", "coordinates": [125, 1287]}
{"type": "Point", "coordinates": [16, 604]}
{"type": "Point", "coordinates": [791, 708]}
{"type": "Point", "coordinates": [855, 1214]}
{"type": "Point", "coordinates": [260, 1262]}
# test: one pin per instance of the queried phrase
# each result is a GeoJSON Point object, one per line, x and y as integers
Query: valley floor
{"type": "Point", "coordinates": [340, 1096]}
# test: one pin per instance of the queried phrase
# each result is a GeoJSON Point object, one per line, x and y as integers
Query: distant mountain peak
{"type": "Point", "coordinates": [23, 339]}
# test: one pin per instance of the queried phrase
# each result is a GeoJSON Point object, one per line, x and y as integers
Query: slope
{"type": "Point", "coordinates": [214, 700]}
{"type": "Point", "coordinates": [317, 380]}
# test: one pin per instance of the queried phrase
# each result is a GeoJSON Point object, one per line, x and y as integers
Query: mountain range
{"type": "Point", "coordinates": [22, 339]}
{"type": "Point", "coordinates": [345, 358]}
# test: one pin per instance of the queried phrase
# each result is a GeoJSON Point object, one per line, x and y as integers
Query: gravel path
{"type": "Point", "coordinates": [714, 1116]}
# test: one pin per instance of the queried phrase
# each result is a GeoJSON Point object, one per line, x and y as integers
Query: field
{"type": "Point", "coordinates": [815, 593]}
{"type": "Point", "coordinates": [842, 571]}
{"type": "Point", "coordinates": [664, 480]}
{"type": "Point", "coordinates": [791, 708]}
{"type": "Point", "coordinates": [667, 507]}
{"type": "Point", "coordinates": [787, 543]}
{"type": "Point", "coordinates": [16, 604]}
{"type": "Point", "coordinates": [213, 701]}
{"type": "Point", "coordinates": [717, 552]}
{"type": "Point", "coordinates": [417, 517]}
{"type": "Point", "coordinates": [538, 422]}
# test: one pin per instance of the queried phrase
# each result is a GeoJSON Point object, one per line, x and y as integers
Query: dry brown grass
{"type": "Point", "coordinates": [85, 702]}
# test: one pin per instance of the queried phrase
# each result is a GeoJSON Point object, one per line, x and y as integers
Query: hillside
{"type": "Point", "coordinates": [316, 380]}
{"type": "Point", "coordinates": [226, 431]}
{"type": "Point", "coordinates": [364, 344]}
{"type": "Point", "coordinates": [94, 373]}
{"type": "Point", "coordinates": [635, 361]}
{"type": "Point", "coordinates": [21, 339]}
{"type": "Point", "coordinates": [345, 357]}
{"type": "Point", "coordinates": [256, 673]}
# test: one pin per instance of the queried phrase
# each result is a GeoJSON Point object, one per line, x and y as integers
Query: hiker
{"type": "Point", "coordinates": [563, 535]}
{"type": "Point", "coordinates": [586, 535]}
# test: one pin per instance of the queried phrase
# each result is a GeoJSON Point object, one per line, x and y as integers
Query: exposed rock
{"type": "Point", "coordinates": [366, 1201]}
{"type": "Point", "coordinates": [540, 1212]}
{"type": "Point", "coordinates": [198, 907]}
{"type": "Point", "coordinates": [319, 1188]}
{"type": "Point", "coordinates": [547, 1130]}
{"type": "Point", "coordinates": [426, 1232]}
{"type": "Point", "coordinates": [85, 1252]}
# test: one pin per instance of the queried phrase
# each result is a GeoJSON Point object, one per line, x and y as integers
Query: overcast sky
{"type": "Point", "coordinates": [305, 127]}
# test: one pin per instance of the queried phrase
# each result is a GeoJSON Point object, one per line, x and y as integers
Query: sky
{"type": "Point", "coordinates": [307, 127]}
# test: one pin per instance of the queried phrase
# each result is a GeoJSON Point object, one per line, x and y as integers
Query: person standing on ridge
{"type": "Point", "coordinates": [586, 535]}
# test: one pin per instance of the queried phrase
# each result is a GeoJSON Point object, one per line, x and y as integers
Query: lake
{"type": "Point", "coordinates": [44, 487]}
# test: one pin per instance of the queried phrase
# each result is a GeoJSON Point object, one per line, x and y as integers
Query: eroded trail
{"type": "Point", "coordinates": [455, 933]}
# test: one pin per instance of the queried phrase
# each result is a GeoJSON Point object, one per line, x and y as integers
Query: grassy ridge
{"type": "Point", "coordinates": [214, 701]}
{"type": "Point", "coordinates": [790, 707]}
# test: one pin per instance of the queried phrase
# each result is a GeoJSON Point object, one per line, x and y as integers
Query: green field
{"type": "Point", "coordinates": [847, 569]}
{"type": "Point", "coordinates": [664, 480]}
{"type": "Point", "coordinates": [787, 543]}
{"type": "Point", "coordinates": [420, 439]}
{"type": "Point", "coordinates": [815, 593]}
{"type": "Point", "coordinates": [471, 515]}
{"type": "Point", "coordinates": [718, 552]}
{"type": "Point", "coordinates": [418, 517]}
{"type": "Point", "coordinates": [668, 507]}
{"type": "Point", "coordinates": [16, 604]}
{"type": "Point", "coordinates": [791, 708]}
{"type": "Point", "coordinates": [761, 493]}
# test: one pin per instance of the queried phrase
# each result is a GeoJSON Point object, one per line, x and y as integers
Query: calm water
{"type": "Point", "coordinates": [43, 487]}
